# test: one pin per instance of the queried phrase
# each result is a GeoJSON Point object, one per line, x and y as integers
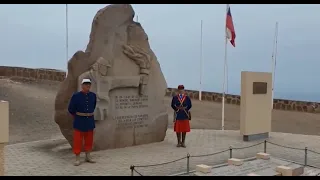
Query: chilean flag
{"type": "Point", "coordinates": [230, 32]}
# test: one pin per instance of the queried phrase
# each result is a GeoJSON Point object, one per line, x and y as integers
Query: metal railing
{"type": "Point", "coordinates": [230, 150]}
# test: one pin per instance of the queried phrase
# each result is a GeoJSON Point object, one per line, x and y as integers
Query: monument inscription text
{"type": "Point", "coordinates": [131, 121]}
{"type": "Point", "coordinates": [131, 104]}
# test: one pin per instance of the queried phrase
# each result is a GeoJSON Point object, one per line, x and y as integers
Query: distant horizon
{"type": "Point", "coordinates": [35, 38]}
{"type": "Point", "coordinates": [297, 96]}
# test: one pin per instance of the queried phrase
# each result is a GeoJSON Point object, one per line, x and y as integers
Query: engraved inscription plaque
{"type": "Point", "coordinates": [131, 102]}
{"type": "Point", "coordinates": [130, 106]}
{"type": "Point", "coordinates": [131, 121]}
{"type": "Point", "coordinates": [259, 88]}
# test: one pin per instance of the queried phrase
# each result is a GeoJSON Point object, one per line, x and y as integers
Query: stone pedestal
{"type": "Point", "coordinates": [4, 132]}
{"type": "Point", "coordinates": [255, 106]}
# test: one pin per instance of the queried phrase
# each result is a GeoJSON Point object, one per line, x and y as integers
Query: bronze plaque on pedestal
{"type": "Point", "coordinates": [259, 88]}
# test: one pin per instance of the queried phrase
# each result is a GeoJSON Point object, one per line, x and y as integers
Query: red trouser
{"type": "Point", "coordinates": [78, 138]}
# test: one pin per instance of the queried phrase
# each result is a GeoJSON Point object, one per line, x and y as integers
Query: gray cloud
{"type": "Point", "coordinates": [34, 36]}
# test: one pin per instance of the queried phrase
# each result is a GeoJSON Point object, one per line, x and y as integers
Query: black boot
{"type": "Point", "coordinates": [183, 140]}
{"type": "Point", "coordinates": [179, 139]}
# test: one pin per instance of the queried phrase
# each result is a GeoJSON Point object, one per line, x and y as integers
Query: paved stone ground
{"type": "Point", "coordinates": [266, 167]}
{"type": "Point", "coordinates": [54, 157]}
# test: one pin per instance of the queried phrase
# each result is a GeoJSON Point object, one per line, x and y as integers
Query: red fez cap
{"type": "Point", "coordinates": [180, 87]}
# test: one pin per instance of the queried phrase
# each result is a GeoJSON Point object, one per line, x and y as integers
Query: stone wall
{"type": "Point", "coordinates": [37, 74]}
{"type": "Point", "coordinates": [57, 75]}
{"type": "Point", "coordinates": [281, 104]}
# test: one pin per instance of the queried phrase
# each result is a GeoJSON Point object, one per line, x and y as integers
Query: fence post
{"type": "Point", "coordinates": [265, 146]}
{"type": "Point", "coordinates": [230, 150]}
{"type": "Point", "coordinates": [188, 163]}
{"type": "Point", "coordinates": [132, 169]}
{"type": "Point", "coordinates": [305, 156]}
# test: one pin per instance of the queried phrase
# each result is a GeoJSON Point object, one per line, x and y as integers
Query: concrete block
{"type": "Point", "coordinates": [297, 170]}
{"type": "Point", "coordinates": [255, 118]}
{"type": "Point", "coordinates": [294, 170]}
{"type": "Point", "coordinates": [263, 156]}
{"type": "Point", "coordinates": [267, 172]}
{"type": "Point", "coordinates": [4, 121]}
{"type": "Point", "coordinates": [284, 170]}
{"type": "Point", "coordinates": [253, 174]}
{"type": "Point", "coordinates": [2, 159]}
{"type": "Point", "coordinates": [203, 168]}
{"type": "Point", "coordinates": [235, 162]}
{"type": "Point", "coordinates": [201, 174]}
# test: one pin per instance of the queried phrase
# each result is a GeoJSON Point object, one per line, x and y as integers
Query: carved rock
{"type": "Point", "coordinates": [98, 75]}
{"type": "Point", "coordinates": [129, 83]}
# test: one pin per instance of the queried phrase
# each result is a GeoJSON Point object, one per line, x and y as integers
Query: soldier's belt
{"type": "Point", "coordinates": [84, 114]}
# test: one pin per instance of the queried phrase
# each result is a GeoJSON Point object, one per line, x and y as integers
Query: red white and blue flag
{"type": "Point", "coordinates": [230, 32]}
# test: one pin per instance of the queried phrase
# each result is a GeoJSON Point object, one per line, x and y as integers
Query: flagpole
{"type": "Point", "coordinates": [274, 60]}
{"type": "Point", "coordinates": [201, 42]}
{"type": "Point", "coordinates": [67, 37]}
{"type": "Point", "coordinates": [224, 78]}
{"type": "Point", "coordinates": [137, 19]}
{"type": "Point", "coordinates": [224, 73]}
{"type": "Point", "coordinates": [227, 77]}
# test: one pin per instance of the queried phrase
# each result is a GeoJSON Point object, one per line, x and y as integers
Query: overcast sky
{"type": "Point", "coordinates": [35, 35]}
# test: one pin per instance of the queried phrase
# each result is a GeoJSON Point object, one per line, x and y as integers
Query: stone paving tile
{"type": "Point", "coordinates": [255, 166]}
{"type": "Point", "coordinates": [54, 157]}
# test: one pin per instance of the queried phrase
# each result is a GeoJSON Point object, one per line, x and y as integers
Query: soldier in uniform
{"type": "Point", "coordinates": [82, 106]}
{"type": "Point", "coordinates": [181, 104]}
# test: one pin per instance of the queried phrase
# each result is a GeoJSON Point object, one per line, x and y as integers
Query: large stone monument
{"type": "Point", "coordinates": [255, 105]}
{"type": "Point", "coordinates": [127, 78]}
{"type": "Point", "coordinates": [4, 132]}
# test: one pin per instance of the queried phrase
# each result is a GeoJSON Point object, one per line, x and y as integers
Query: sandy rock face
{"type": "Point", "coordinates": [127, 79]}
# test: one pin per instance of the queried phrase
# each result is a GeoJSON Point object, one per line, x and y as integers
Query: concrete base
{"type": "Point", "coordinates": [255, 137]}
{"type": "Point", "coordinates": [267, 172]}
{"type": "Point", "coordinates": [294, 170]}
{"type": "Point", "coordinates": [235, 162]}
{"type": "Point", "coordinates": [263, 156]}
{"type": "Point", "coordinates": [203, 168]}
{"type": "Point", "coordinates": [2, 145]}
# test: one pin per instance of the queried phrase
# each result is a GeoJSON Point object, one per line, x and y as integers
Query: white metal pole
{"type": "Point", "coordinates": [224, 78]}
{"type": "Point", "coordinates": [274, 57]}
{"type": "Point", "coordinates": [67, 37]}
{"type": "Point", "coordinates": [224, 73]}
{"type": "Point", "coordinates": [201, 42]}
{"type": "Point", "coordinates": [227, 77]}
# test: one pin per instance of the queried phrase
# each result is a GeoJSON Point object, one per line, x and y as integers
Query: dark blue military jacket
{"type": "Point", "coordinates": [183, 100]}
{"type": "Point", "coordinates": [83, 103]}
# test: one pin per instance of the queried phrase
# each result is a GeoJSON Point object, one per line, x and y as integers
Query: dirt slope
{"type": "Point", "coordinates": [31, 110]}
{"type": "Point", "coordinates": [31, 113]}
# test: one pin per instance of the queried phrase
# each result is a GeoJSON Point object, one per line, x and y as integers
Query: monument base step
{"type": "Point", "coordinates": [254, 137]}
